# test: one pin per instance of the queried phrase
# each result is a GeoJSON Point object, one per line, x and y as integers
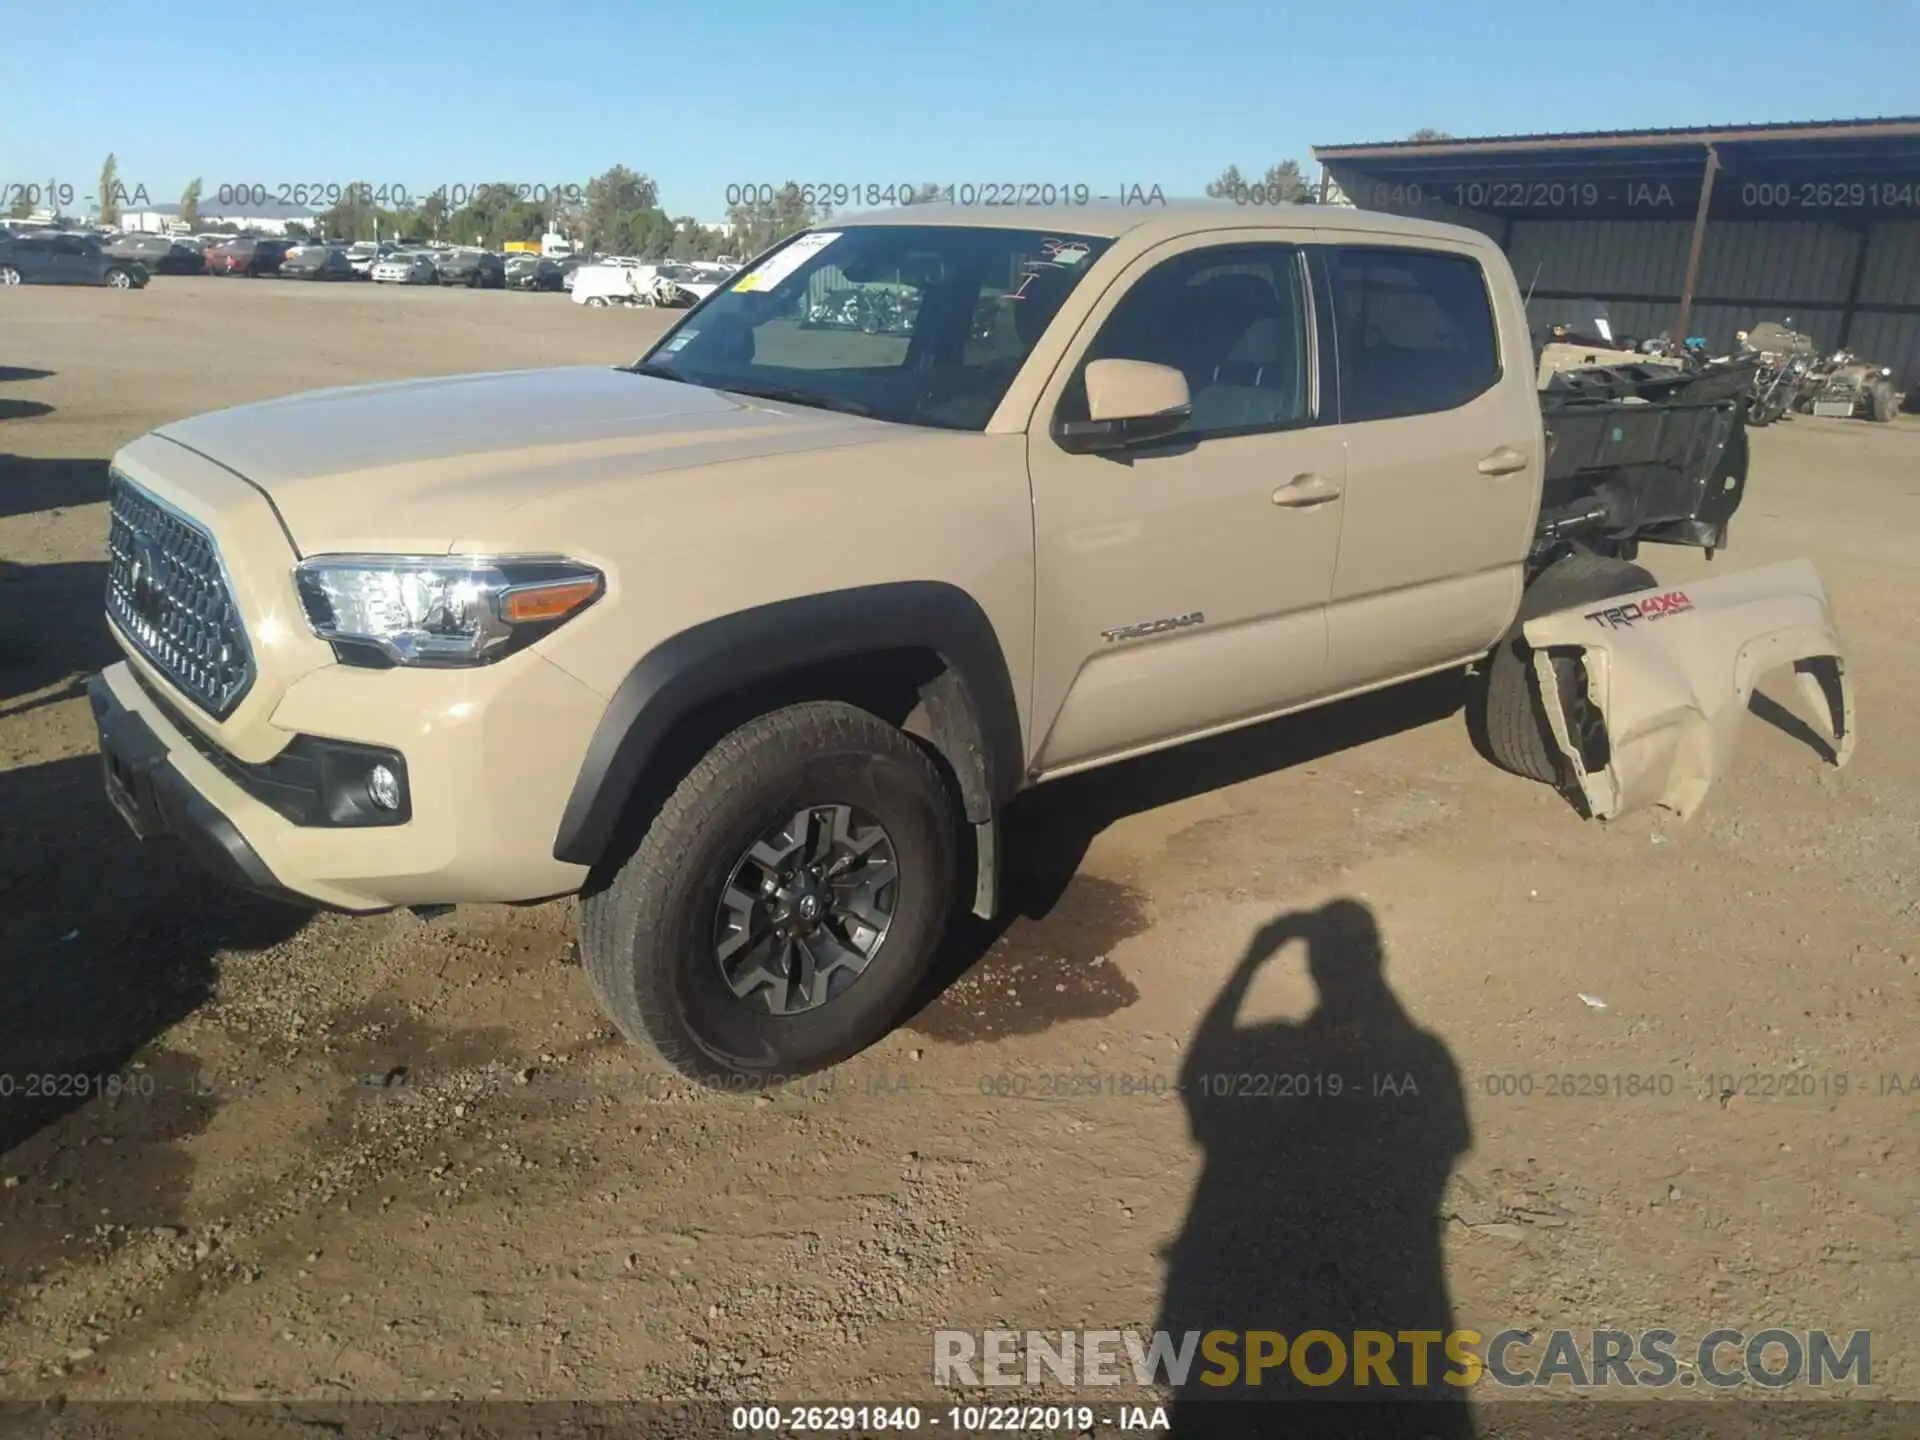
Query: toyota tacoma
{"type": "Point", "coordinates": [751, 642]}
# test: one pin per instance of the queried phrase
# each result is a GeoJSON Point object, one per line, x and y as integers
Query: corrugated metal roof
{"type": "Point", "coordinates": [1731, 133]}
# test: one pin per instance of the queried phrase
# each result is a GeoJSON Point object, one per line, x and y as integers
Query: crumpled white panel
{"type": "Point", "coordinates": [1670, 672]}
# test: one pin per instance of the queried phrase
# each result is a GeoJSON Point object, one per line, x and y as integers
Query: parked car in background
{"type": "Point", "coordinates": [688, 282]}
{"type": "Point", "coordinates": [476, 269]}
{"type": "Point", "coordinates": [406, 267]}
{"type": "Point", "coordinates": [160, 254]}
{"type": "Point", "coordinates": [59, 258]}
{"type": "Point", "coordinates": [674, 284]}
{"type": "Point", "coordinates": [318, 262]}
{"type": "Point", "coordinates": [365, 254]}
{"type": "Point", "coordinates": [533, 272]}
{"type": "Point", "coordinates": [248, 256]}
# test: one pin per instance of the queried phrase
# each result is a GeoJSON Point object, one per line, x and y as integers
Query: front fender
{"type": "Point", "coordinates": [1643, 694]}
{"type": "Point", "coordinates": [975, 710]}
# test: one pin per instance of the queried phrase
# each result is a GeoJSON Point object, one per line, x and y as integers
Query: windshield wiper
{"type": "Point", "coordinates": [801, 397]}
{"type": "Point", "coordinates": [658, 372]}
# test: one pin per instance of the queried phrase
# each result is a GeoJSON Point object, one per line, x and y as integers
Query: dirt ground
{"type": "Point", "coordinates": [404, 1158]}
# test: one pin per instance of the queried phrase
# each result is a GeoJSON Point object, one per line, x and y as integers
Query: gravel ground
{"type": "Point", "coordinates": [346, 1158]}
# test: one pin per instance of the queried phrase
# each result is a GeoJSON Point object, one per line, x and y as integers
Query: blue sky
{"type": "Point", "coordinates": [1102, 92]}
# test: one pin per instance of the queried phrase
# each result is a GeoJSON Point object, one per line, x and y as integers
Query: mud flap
{"type": "Point", "coordinates": [1644, 693]}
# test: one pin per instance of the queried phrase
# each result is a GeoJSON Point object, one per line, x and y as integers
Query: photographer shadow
{"type": "Point", "coordinates": [1328, 1145]}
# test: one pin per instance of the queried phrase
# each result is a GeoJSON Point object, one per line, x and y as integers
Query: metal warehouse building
{"type": "Point", "coordinates": [1695, 232]}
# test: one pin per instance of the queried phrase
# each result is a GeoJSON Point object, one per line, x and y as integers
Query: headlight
{"type": "Point", "coordinates": [440, 609]}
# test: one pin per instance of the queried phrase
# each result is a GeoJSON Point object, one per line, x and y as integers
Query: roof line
{"type": "Point", "coordinates": [1890, 128]}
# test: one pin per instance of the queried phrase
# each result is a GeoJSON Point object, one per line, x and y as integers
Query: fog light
{"type": "Point", "coordinates": [383, 787]}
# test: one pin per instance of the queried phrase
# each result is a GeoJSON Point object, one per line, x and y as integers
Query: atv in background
{"type": "Point", "coordinates": [1844, 385]}
{"type": "Point", "coordinates": [1793, 376]}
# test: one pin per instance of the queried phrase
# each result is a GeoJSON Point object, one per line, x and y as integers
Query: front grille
{"type": "Point", "coordinates": [168, 593]}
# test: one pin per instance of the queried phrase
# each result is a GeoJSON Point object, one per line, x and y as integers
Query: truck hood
{"type": "Point", "coordinates": [416, 464]}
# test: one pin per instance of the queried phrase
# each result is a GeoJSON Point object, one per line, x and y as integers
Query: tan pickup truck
{"type": "Point", "coordinates": [751, 642]}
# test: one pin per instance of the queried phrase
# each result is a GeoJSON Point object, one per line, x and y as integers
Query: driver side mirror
{"type": "Point", "coordinates": [1129, 402]}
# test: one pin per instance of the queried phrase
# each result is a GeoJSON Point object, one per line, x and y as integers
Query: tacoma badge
{"type": "Point", "coordinates": [1153, 627]}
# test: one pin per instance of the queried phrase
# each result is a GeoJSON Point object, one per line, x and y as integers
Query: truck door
{"type": "Point", "coordinates": [1182, 584]}
{"type": "Point", "coordinates": [1443, 436]}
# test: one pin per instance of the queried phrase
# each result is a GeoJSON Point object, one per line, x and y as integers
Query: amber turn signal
{"type": "Point", "coordinates": [552, 601]}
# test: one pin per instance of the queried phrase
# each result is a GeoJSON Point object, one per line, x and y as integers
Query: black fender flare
{"type": "Point", "coordinates": [971, 707]}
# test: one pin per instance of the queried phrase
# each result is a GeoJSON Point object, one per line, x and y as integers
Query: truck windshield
{"type": "Point", "coordinates": [920, 324]}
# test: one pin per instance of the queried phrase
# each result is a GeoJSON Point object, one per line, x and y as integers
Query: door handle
{"type": "Point", "coordinates": [1503, 461]}
{"type": "Point", "coordinates": [1305, 490]}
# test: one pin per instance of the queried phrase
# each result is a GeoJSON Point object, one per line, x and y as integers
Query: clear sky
{"type": "Point", "coordinates": [1101, 92]}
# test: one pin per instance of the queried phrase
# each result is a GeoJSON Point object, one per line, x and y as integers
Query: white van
{"type": "Point", "coordinates": [603, 285]}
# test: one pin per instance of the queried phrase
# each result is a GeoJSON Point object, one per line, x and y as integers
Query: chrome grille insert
{"type": "Point", "coordinates": [168, 592]}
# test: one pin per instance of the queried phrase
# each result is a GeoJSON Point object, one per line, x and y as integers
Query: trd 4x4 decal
{"type": "Point", "coordinates": [1657, 607]}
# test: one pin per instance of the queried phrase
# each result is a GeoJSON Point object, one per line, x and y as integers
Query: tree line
{"type": "Point", "coordinates": [617, 212]}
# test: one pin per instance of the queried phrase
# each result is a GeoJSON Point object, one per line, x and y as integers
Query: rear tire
{"type": "Point", "coordinates": [1505, 716]}
{"type": "Point", "coordinates": [1882, 403]}
{"type": "Point", "coordinates": [660, 941]}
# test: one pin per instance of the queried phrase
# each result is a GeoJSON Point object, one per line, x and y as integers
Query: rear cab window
{"type": "Point", "coordinates": [1414, 329]}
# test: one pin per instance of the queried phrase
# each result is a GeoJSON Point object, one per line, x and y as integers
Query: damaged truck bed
{"type": "Point", "coordinates": [1643, 452]}
{"type": "Point", "coordinates": [1641, 692]}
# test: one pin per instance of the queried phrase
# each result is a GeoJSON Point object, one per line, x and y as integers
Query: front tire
{"type": "Point", "coordinates": [1505, 716]}
{"type": "Point", "coordinates": [1882, 403]}
{"type": "Point", "coordinates": [9, 275]}
{"type": "Point", "coordinates": [597, 302]}
{"type": "Point", "coordinates": [784, 904]}
{"type": "Point", "coordinates": [118, 279]}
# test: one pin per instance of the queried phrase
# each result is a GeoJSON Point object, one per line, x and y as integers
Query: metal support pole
{"type": "Point", "coordinates": [1698, 243]}
{"type": "Point", "coordinates": [1862, 234]}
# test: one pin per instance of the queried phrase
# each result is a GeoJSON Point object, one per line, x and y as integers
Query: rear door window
{"type": "Point", "coordinates": [1415, 331]}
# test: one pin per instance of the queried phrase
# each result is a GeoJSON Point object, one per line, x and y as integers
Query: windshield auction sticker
{"type": "Point", "coordinates": [788, 260]}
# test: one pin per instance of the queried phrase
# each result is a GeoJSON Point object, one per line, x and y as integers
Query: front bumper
{"type": "Point", "coordinates": [155, 799]}
{"type": "Point", "coordinates": [488, 758]}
